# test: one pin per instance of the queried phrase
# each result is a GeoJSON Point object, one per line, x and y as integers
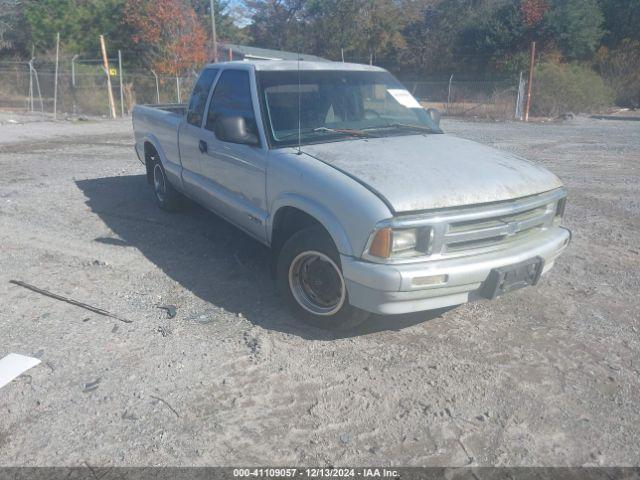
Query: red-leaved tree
{"type": "Point", "coordinates": [170, 30]}
{"type": "Point", "coordinates": [533, 11]}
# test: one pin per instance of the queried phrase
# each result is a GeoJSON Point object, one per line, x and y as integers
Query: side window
{"type": "Point", "coordinates": [198, 100]}
{"type": "Point", "coordinates": [230, 103]}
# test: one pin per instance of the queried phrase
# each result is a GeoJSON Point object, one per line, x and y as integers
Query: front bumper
{"type": "Point", "coordinates": [393, 289]}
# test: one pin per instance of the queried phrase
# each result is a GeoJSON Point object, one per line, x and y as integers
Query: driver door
{"type": "Point", "coordinates": [234, 171]}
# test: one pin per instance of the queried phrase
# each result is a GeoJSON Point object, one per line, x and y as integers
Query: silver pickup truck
{"type": "Point", "coordinates": [367, 205]}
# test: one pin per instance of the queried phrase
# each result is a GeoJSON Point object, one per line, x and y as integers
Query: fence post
{"type": "Point", "coordinates": [449, 93]}
{"type": "Point", "coordinates": [178, 87]}
{"type": "Point", "coordinates": [519, 98]}
{"type": "Point", "coordinates": [34, 72]}
{"type": "Point", "coordinates": [121, 92]}
{"type": "Point", "coordinates": [55, 83]}
{"type": "Point", "coordinates": [73, 70]}
{"type": "Point", "coordinates": [157, 86]}
{"type": "Point", "coordinates": [30, 87]}
{"type": "Point", "coordinates": [532, 65]}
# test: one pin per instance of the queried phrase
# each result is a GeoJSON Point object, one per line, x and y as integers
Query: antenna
{"type": "Point", "coordinates": [299, 95]}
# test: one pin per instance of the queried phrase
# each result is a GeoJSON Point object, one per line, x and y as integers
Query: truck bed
{"type": "Point", "coordinates": [160, 122]}
{"type": "Point", "coordinates": [179, 108]}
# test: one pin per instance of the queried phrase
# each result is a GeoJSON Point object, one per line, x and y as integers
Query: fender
{"type": "Point", "coordinates": [323, 215]}
{"type": "Point", "coordinates": [173, 170]}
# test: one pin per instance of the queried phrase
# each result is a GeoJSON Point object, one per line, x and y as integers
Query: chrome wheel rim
{"type": "Point", "coordinates": [159, 184]}
{"type": "Point", "coordinates": [316, 283]}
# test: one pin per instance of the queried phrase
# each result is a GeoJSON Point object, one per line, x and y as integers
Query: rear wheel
{"type": "Point", "coordinates": [310, 278]}
{"type": "Point", "coordinates": [167, 197]}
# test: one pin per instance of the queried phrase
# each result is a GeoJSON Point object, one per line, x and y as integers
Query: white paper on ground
{"type": "Point", "coordinates": [403, 97]}
{"type": "Point", "coordinates": [13, 365]}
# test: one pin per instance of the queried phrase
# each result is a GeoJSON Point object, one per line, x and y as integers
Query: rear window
{"type": "Point", "coordinates": [198, 100]}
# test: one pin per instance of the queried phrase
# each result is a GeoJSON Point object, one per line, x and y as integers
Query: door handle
{"type": "Point", "coordinates": [202, 146]}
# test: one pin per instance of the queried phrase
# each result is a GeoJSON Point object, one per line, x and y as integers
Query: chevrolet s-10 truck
{"type": "Point", "coordinates": [367, 205]}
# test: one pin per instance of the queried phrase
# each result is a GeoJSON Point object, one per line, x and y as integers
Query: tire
{"type": "Point", "coordinates": [309, 277]}
{"type": "Point", "coordinates": [167, 197]}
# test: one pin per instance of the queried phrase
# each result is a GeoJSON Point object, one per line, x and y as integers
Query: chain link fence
{"type": "Point", "coordinates": [497, 98]}
{"type": "Point", "coordinates": [82, 90]}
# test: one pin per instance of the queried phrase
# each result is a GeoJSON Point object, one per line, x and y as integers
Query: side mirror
{"type": "Point", "coordinates": [234, 130]}
{"type": "Point", "coordinates": [435, 115]}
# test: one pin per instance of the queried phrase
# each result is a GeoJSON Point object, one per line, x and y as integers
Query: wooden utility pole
{"type": "Point", "coordinates": [214, 38]}
{"type": "Point", "coordinates": [532, 65]}
{"type": "Point", "coordinates": [121, 86]}
{"type": "Point", "coordinates": [105, 60]}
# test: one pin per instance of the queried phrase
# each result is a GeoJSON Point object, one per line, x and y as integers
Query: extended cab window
{"type": "Point", "coordinates": [230, 104]}
{"type": "Point", "coordinates": [198, 101]}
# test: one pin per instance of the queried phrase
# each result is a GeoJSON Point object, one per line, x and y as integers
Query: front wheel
{"type": "Point", "coordinates": [310, 278]}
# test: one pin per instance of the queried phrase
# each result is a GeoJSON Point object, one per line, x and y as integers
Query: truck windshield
{"type": "Point", "coordinates": [334, 105]}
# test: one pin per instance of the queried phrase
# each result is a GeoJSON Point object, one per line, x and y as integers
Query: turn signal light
{"type": "Point", "coordinates": [381, 244]}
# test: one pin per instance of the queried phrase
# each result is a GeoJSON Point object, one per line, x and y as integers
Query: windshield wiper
{"type": "Point", "coordinates": [408, 125]}
{"type": "Point", "coordinates": [346, 131]}
{"type": "Point", "coordinates": [343, 131]}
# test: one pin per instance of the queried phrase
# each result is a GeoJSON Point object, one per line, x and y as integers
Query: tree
{"type": "Point", "coordinates": [533, 11]}
{"type": "Point", "coordinates": [621, 20]}
{"type": "Point", "coordinates": [14, 34]}
{"type": "Point", "coordinates": [175, 42]}
{"type": "Point", "coordinates": [331, 28]}
{"type": "Point", "coordinates": [226, 17]}
{"type": "Point", "coordinates": [363, 28]}
{"type": "Point", "coordinates": [79, 22]}
{"type": "Point", "coordinates": [381, 23]}
{"type": "Point", "coordinates": [492, 36]}
{"type": "Point", "coordinates": [576, 26]}
{"type": "Point", "coordinates": [277, 24]}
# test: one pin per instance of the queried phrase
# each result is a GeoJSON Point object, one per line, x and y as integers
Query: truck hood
{"type": "Point", "coordinates": [421, 172]}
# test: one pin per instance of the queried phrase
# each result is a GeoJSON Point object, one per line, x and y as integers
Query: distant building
{"type": "Point", "coordinates": [230, 51]}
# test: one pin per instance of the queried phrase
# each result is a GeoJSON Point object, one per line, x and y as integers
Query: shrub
{"type": "Point", "coordinates": [559, 88]}
{"type": "Point", "coordinates": [620, 68]}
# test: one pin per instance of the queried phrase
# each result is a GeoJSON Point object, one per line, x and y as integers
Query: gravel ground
{"type": "Point", "coordinates": [543, 376]}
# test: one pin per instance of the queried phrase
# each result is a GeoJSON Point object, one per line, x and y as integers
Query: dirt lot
{"type": "Point", "coordinates": [544, 376]}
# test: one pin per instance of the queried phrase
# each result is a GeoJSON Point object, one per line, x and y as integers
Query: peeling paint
{"type": "Point", "coordinates": [421, 172]}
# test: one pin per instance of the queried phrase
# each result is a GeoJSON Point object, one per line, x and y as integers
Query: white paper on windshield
{"type": "Point", "coordinates": [13, 365]}
{"type": "Point", "coordinates": [403, 97]}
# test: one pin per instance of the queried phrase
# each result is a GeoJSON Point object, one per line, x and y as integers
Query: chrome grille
{"type": "Point", "coordinates": [481, 233]}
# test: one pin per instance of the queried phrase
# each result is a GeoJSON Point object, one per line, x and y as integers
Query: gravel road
{"type": "Point", "coordinates": [544, 376]}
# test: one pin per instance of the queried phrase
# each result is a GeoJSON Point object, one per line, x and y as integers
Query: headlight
{"type": "Point", "coordinates": [398, 243]}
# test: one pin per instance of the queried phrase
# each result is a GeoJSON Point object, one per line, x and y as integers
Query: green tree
{"type": "Point", "coordinates": [79, 22]}
{"type": "Point", "coordinates": [493, 35]}
{"type": "Point", "coordinates": [576, 27]}
{"type": "Point", "coordinates": [332, 28]}
{"type": "Point", "coordinates": [14, 33]}
{"type": "Point", "coordinates": [621, 20]}
{"type": "Point", "coordinates": [363, 28]}
{"type": "Point", "coordinates": [277, 24]}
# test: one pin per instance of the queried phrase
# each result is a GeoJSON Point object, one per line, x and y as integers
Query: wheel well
{"type": "Point", "coordinates": [150, 154]}
{"type": "Point", "coordinates": [289, 220]}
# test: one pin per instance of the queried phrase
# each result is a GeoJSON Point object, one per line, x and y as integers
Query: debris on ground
{"type": "Point", "coordinates": [164, 331]}
{"type": "Point", "coordinates": [162, 400]}
{"type": "Point", "coordinates": [86, 306]}
{"type": "Point", "coordinates": [13, 365]}
{"type": "Point", "coordinates": [91, 386]}
{"type": "Point", "coordinates": [170, 309]}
